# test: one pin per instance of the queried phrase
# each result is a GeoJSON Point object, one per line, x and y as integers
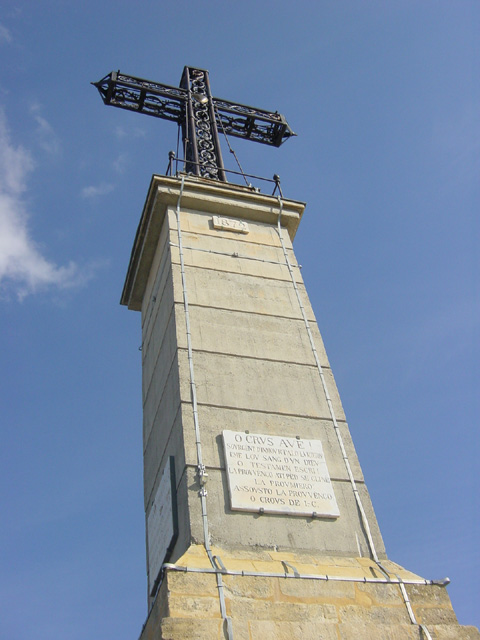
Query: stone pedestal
{"type": "Point", "coordinates": [226, 348]}
{"type": "Point", "coordinates": [354, 603]}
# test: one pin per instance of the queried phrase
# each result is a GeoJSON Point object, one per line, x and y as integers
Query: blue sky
{"type": "Point", "coordinates": [384, 97]}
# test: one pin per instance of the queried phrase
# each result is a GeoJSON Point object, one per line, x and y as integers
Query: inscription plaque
{"type": "Point", "coordinates": [277, 474]}
{"type": "Point", "coordinates": [162, 525]}
{"type": "Point", "coordinates": [230, 224]}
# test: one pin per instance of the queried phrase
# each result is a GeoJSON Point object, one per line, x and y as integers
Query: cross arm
{"type": "Point", "coordinates": [143, 96]}
{"type": "Point", "coordinates": [167, 102]}
{"type": "Point", "coordinates": [242, 121]}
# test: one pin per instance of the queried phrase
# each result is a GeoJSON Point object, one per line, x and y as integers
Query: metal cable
{"type": "Point", "coordinates": [229, 145]}
{"type": "Point", "coordinates": [363, 515]}
{"type": "Point", "coordinates": [202, 475]}
{"type": "Point", "coordinates": [361, 509]}
{"type": "Point", "coordinates": [233, 255]}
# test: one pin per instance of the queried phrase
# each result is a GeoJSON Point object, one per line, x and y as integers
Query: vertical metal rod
{"type": "Point", "coordinates": [363, 515]}
{"type": "Point", "coordinates": [193, 394]}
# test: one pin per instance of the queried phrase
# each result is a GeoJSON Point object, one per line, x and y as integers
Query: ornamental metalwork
{"type": "Point", "coordinates": [200, 115]}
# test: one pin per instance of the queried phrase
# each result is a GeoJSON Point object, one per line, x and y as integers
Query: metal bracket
{"type": "Point", "coordinates": [202, 474]}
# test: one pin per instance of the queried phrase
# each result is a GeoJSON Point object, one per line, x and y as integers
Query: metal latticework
{"type": "Point", "coordinates": [200, 115]}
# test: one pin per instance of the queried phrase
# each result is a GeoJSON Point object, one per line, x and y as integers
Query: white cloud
{"type": "Point", "coordinates": [131, 132]}
{"type": "Point", "coordinates": [46, 136]}
{"type": "Point", "coordinates": [100, 190]}
{"type": "Point", "coordinates": [5, 35]}
{"type": "Point", "coordinates": [23, 268]}
{"type": "Point", "coordinates": [120, 164]}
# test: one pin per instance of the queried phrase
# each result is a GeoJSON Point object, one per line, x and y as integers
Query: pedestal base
{"type": "Point", "coordinates": [293, 599]}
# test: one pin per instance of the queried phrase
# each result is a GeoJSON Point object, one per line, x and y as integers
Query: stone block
{"type": "Point", "coordinates": [241, 630]}
{"type": "Point", "coordinates": [299, 630]}
{"type": "Point", "coordinates": [239, 292]}
{"type": "Point", "coordinates": [429, 594]}
{"type": "Point", "coordinates": [213, 420]}
{"type": "Point", "coordinates": [153, 332]}
{"type": "Point", "coordinates": [159, 367]}
{"type": "Point", "coordinates": [252, 609]}
{"type": "Point", "coordinates": [252, 335]}
{"type": "Point", "coordinates": [435, 615]}
{"type": "Point", "coordinates": [161, 406]}
{"type": "Point", "coordinates": [248, 586]}
{"type": "Point", "coordinates": [259, 385]}
{"type": "Point", "coordinates": [232, 255]}
{"type": "Point", "coordinates": [366, 631]}
{"type": "Point", "coordinates": [453, 632]}
{"type": "Point", "coordinates": [320, 591]}
{"type": "Point", "coordinates": [191, 628]}
{"type": "Point", "coordinates": [192, 583]}
{"type": "Point", "coordinates": [374, 615]}
{"type": "Point", "coordinates": [197, 606]}
{"type": "Point", "coordinates": [379, 594]}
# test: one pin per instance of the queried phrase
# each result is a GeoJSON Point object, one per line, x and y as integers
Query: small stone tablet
{"type": "Point", "coordinates": [230, 224]}
{"type": "Point", "coordinates": [278, 474]}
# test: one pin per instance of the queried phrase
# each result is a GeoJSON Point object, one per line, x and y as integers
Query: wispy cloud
{"type": "Point", "coordinates": [46, 136]}
{"type": "Point", "coordinates": [23, 268]}
{"type": "Point", "coordinates": [102, 189]}
{"type": "Point", "coordinates": [131, 132]}
{"type": "Point", "coordinates": [5, 35]}
{"type": "Point", "coordinates": [120, 164]}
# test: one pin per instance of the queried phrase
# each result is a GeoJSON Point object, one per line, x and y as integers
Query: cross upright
{"type": "Point", "coordinates": [192, 106]}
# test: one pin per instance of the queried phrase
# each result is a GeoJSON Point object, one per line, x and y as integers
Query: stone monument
{"type": "Point", "coordinates": [258, 520]}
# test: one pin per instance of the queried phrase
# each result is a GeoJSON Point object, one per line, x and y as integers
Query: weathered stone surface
{"type": "Point", "coordinates": [234, 256]}
{"type": "Point", "coordinates": [214, 419]}
{"type": "Point", "coordinates": [248, 294]}
{"type": "Point", "coordinates": [253, 335]}
{"type": "Point", "coordinates": [191, 628]}
{"type": "Point", "coordinates": [230, 529]}
{"type": "Point", "coordinates": [435, 615]}
{"type": "Point", "coordinates": [428, 595]}
{"type": "Point", "coordinates": [254, 609]}
{"type": "Point", "coordinates": [269, 607]}
{"type": "Point", "coordinates": [192, 584]}
{"type": "Point", "coordinates": [374, 594]}
{"type": "Point", "coordinates": [158, 274]}
{"type": "Point", "coordinates": [374, 615]}
{"type": "Point", "coordinates": [259, 385]}
{"type": "Point", "coordinates": [156, 375]}
{"type": "Point", "coordinates": [248, 587]}
{"type": "Point", "coordinates": [196, 606]}
{"type": "Point", "coordinates": [162, 444]}
{"type": "Point", "coordinates": [453, 632]}
{"type": "Point", "coordinates": [301, 629]}
{"type": "Point", "coordinates": [162, 405]}
{"type": "Point", "coordinates": [156, 330]}
{"type": "Point", "coordinates": [366, 631]}
{"type": "Point", "coordinates": [318, 590]}
{"type": "Point", "coordinates": [198, 220]}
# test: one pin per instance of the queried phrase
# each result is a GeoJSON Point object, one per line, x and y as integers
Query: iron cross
{"type": "Point", "coordinates": [200, 115]}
